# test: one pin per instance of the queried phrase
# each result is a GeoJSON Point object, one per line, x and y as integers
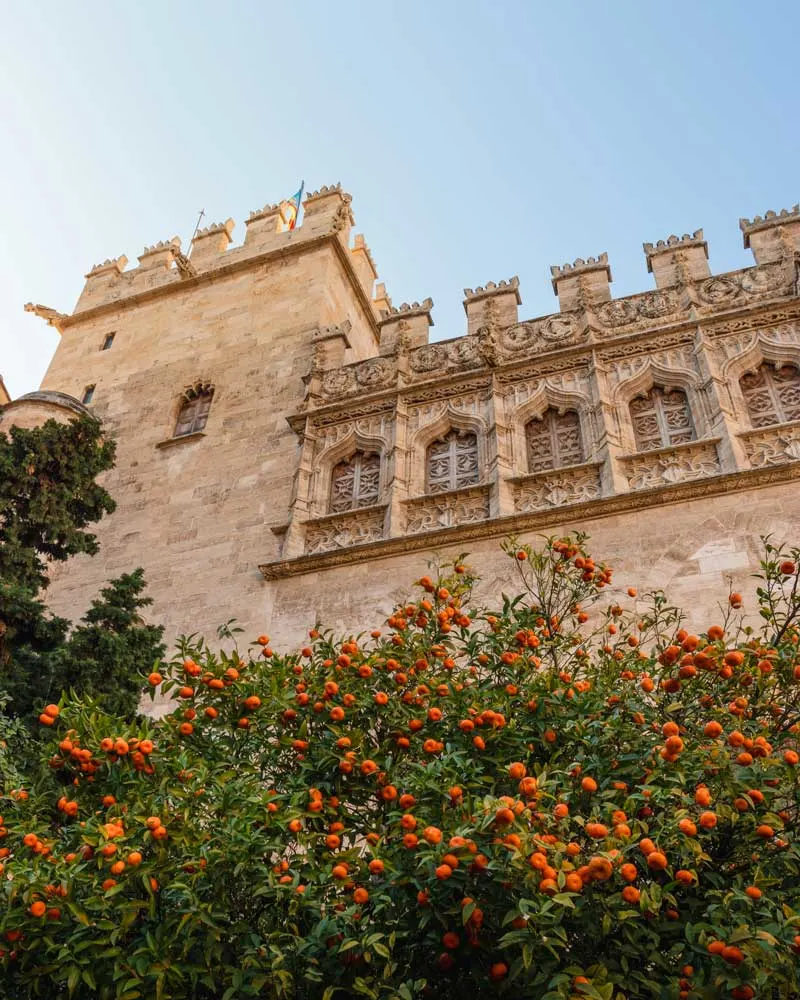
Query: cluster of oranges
{"type": "Point", "coordinates": [476, 780]}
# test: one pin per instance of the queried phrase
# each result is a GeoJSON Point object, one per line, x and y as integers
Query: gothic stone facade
{"type": "Point", "coordinates": [292, 448]}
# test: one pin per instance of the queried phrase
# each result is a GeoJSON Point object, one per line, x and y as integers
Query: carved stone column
{"type": "Point", "coordinates": [609, 442]}
{"type": "Point", "coordinates": [299, 506]}
{"type": "Point", "coordinates": [724, 420]}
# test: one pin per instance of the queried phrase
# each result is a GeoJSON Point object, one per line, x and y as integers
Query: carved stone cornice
{"type": "Point", "coordinates": [623, 503]}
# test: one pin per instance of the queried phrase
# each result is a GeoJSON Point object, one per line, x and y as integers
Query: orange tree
{"type": "Point", "coordinates": [567, 795]}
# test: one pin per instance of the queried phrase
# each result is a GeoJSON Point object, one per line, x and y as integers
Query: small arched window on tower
{"type": "Point", "coordinates": [194, 409]}
{"type": "Point", "coordinates": [554, 440]}
{"type": "Point", "coordinates": [661, 418]}
{"type": "Point", "coordinates": [355, 482]}
{"type": "Point", "coordinates": [772, 394]}
{"type": "Point", "coordinates": [452, 462]}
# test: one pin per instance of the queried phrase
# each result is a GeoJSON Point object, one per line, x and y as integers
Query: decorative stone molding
{"type": "Point", "coordinates": [433, 512]}
{"type": "Point", "coordinates": [557, 487]}
{"type": "Point", "coordinates": [678, 259]}
{"type": "Point", "coordinates": [537, 336]}
{"type": "Point", "coordinates": [772, 445]}
{"type": "Point", "coordinates": [337, 531]}
{"type": "Point", "coordinates": [639, 309]}
{"type": "Point", "coordinates": [742, 287]}
{"type": "Point", "coordinates": [539, 521]}
{"type": "Point", "coordinates": [367, 376]}
{"type": "Point", "coordinates": [446, 357]}
{"type": "Point", "coordinates": [676, 464]}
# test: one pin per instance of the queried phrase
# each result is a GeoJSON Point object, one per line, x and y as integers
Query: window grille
{"type": "Point", "coordinates": [772, 394]}
{"type": "Point", "coordinates": [452, 462]}
{"type": "Point", "coordinates": [355, 482]}
{"type": "Point", "coordinates": [554, 440]}
{"type": "Point", "coordinates": [661, 418]}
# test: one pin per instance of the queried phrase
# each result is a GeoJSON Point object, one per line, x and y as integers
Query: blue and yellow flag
{"type": "Point", "coordinates": [287, 216]}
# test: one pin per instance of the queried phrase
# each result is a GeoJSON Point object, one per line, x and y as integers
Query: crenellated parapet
{"type": "Point", "coordinates": [327, 214]}
{"type": "Point", "coordinates": [492, 304]}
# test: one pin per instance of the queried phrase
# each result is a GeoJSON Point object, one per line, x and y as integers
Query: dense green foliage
{"type": "Point", "coordinates": [48, 497]}
{"type": "Point", "coordinates": [567, 795]}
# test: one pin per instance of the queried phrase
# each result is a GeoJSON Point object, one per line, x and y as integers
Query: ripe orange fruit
{"type": "Point", "coordinates": [589, 785]}
{"type": "Point", "coordinates": [629, 872]}
{"type": "Point", "coordinates": [657, 861]}
{"type": "Point", "coordinates": [753, 892]}
{"type": "Point", "coordinates": [432, 834]}
{"type": "Point", "coordinates": [38, 908]}
{"type": "Point", "coordinates": [732, 954]}
{"type": "Point", "coordinates": [646, 846]}
{"type": "Point", "coordinates": [443, 872]}
{"type": "Point", "coordinates": [712, 730]}
{"type": "Point", "coordinates": [361, 896]}
{"type": "Point", "coordinates": [517, 770]}
{"type": "Point", "coordinates": [708, 820]}
{"type": "Point", "coordinates": [683, 876]}
{"type": "Point", "coordinates": [631, 894]}
{"type": "Point", "coordinates": [498, 972]}
{"type": "Point", "coordinates": [687, 826]}
{"type": "Point", "coordinates": [716, 947]}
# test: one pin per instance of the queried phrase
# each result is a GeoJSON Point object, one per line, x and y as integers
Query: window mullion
{"type": "Point", "coordinates": [355, 501]}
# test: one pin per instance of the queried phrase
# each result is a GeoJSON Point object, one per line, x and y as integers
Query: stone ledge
{"type": "Point", "coordinates": [733, 482]}
{"type": "Point", "coordinates": [169, 442]}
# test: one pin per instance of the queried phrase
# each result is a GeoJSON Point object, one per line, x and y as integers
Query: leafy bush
{"type": "Point", "coordinates": [567, 795]}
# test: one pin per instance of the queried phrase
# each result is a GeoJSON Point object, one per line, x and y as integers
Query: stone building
{"type": "Point", "coordinates": [291, 447]}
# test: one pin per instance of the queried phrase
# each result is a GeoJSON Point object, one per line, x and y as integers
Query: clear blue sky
{"type": "Point", "coordinates": [479, 140]}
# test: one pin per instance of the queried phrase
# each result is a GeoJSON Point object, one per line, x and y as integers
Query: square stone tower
{"type": "Point", "coordinates": [193, 363]}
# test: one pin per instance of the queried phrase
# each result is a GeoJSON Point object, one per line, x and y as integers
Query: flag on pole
{"type": "Point", "coordinates": [287, 216]}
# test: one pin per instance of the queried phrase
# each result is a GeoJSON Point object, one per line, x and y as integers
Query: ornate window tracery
{"type": "Point", "coordinates": [554, 440]}
{"type": "Point", "coordinates": [194, 410]}
{"type": "Point", "coordinates": [772, 394]}
{"type": "Point", "coordinates": [452, 462]}
{"type": "Point", "coordinates": [355, 482]}
{"type": "Point", "coordinates": [661, 418]}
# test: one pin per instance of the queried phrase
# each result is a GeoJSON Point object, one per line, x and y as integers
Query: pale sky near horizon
{"type": "Point", "coordinates": [479, 140]}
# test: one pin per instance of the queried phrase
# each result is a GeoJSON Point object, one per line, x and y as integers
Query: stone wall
{"type": "Point", "coordinates": [641, 420]}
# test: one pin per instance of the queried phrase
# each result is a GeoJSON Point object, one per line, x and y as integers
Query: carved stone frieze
{"type": "Point", "coordinates": [338, 531]}
{"type": "Point", "coordinates": [447, 510]}
{"type": "Point", "coordinates": [535, 336]}
{"type": "Point", "coordinates": [372, 426]}
{"type": "Point", "coordinates": [750, 285]}
{"type": "Point", "coordinates": [342, 413]}
{"type": "Point", "coordinates": [677, 358]}
{"type": "Point", "coordinates": [734, 344]}
{"type": "Point", "coordinates": [472, 403]}
{"type": "Point", "coordinates": [678, 464]}
{"type": "Point", "coordinates": [772, 445]}
{"type": "Point", "coordinates": [553, 366]}
{"type": "Point", "coordinates": [557, 487]}
{"type": "Point", "coordinates": [367, 376]}
{"type": "Point", "coordinates": [460, 354]}
{"type": "Point", "coordinates": [637, 309]}
{"type": "Point", "coordinates": [574, 382]}
{"type": "Point", "coordinates": [660, 343]}
{"type": "Point", "coordinates": [751, 321]}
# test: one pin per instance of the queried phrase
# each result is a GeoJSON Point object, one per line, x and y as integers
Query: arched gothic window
{"type": "Point", "coordinates": [194, 410]}
{"type": "Point", "coordinates": [355, 482]}
{"type": "Point", "coordinates": [452, 462]}
{"type": "Point", "coordinates": [554, 440]}
{"type": "Point", "coordinates": [772, 394]}
{"type": "Point", "coordinates": [661, 418]}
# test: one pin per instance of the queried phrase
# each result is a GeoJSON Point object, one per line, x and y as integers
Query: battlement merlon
{"type": "Point", "coordinates": [409, 321]}
{"type": "Point", "coordinates": [585, 281]}
{"type": "Point", "coordinates": [496, 303]}
{"type": "Point", "coordinates": [328, 210]}
{"type": "Point", "coordinates": [364, 265]}
{"type": "Point", "coordinates": [208, 243]}
{"type": "Point", "coordinates": [160, 255]}
{"type": "Point", "coordinates": [678, 259]}
{"type": "Point", "coordinates": [773, 236]}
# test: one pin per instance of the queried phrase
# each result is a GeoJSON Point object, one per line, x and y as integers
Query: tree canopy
{"type": "Point", "coordinates": [565, 794]}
